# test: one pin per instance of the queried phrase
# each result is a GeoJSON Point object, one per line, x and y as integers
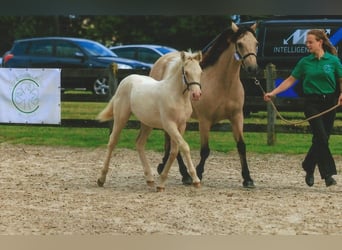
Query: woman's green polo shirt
{"type": "Point", "coordinates": [318, 75]}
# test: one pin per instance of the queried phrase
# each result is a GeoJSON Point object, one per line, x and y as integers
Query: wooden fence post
{"type": "Point", "coordinates": [113, 83]}
{"type": "Point", "coordinates": [271, 114]}
{"type": "Point", "coordinates": [113, 79]}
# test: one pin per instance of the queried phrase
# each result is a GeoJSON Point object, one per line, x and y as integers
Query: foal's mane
{"type": "Point", "coordinates": [221, 43]}
{"type": "Point", "coordinates": [173, 65]}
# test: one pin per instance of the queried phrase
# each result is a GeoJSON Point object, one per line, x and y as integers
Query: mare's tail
{"type": "Point", "coordinates": [107, 113]}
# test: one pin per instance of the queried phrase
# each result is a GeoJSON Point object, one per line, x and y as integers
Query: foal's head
{"type": "Point", "coordinates": [191, 73]}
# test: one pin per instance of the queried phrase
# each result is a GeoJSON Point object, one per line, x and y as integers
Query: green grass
{"type": "Point", "coordinates": [98, 137]}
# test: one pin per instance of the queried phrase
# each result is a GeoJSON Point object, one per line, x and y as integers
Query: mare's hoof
{"type": "Point", "coordinates": [187, 180]}
{"type": "Point", "coordinates": [248, 184]}
{"type": "Point", "coordinates": [160, 168]}
{"type": "Point", "coordinates": [197, 184]}
{"type": "Point", "coordinates": [150, 183]}
{"type": "Point", "coordinates": [100, 183]}
{"type": "Point", "coordinates": [160, 189]}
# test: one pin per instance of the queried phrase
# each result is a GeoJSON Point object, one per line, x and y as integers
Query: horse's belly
{"type": "Point", "coordinates": [147, 114]}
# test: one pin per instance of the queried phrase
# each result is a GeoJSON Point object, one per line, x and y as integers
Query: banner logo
{"type": "Point", "coordinates": [25, 96]}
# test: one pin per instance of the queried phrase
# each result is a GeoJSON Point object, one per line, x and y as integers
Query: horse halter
{"type": "Point", "coordinates": [239, 57]}
{"type": "Point", "coordinates": [188, 84]}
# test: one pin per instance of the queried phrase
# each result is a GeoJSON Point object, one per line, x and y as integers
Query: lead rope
{"type": "Point", "coordinates": [256, 81]}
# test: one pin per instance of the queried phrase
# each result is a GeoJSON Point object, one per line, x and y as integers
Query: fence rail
{"type": "Point", "coordinates": [251, 102]}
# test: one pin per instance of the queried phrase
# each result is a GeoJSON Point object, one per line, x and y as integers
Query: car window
{"type": "Point", "coordinates": [95, 49]}
{"type": "Point", "coordinates": [66, 49]}
{"type": "Point", "coordinates": [40, 48]}
{"type": "Point", "coordinates": [21, 48]}
{"type": "Point", "coordinates": [146, 55]}
{"type": "Point", "coordinates": [126, 53]}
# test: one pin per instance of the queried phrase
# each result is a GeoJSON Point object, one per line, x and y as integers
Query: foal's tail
{"type": "Point", "coordinates": [107, 113]}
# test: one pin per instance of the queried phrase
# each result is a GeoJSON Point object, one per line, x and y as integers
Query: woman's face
{"type": "Point", "coordinates": [312, 44]}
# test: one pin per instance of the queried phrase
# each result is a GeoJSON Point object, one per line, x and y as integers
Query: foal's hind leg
{"type": "Point", "coordinates": [140, 145]}
{"type": "Point", "coordinates": [113, 140]}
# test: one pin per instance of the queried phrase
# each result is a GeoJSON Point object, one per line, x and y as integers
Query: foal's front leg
{"type": "Point", "coordinates": [176, 135]}
{"type": "Point", "coordinates": [171, 158]}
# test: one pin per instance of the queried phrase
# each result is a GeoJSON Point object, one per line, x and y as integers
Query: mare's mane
{"type": "Point", "coordinates": [221, 43]}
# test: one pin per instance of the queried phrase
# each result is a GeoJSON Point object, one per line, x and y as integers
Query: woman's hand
{"type": "Point", "coordinates": [340, 99]}
{"type": "Point", "coordinates": [270, 95]}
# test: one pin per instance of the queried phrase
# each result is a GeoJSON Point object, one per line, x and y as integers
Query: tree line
{"type": "Point", "coordinates": [180, 32]}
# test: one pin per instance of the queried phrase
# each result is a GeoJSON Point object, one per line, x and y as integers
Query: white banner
{"type": "Point", "coordinates": [31, 96]}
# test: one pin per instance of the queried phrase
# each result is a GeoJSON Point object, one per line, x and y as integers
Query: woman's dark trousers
{"type": "Point", "coordinates": [321, 127]}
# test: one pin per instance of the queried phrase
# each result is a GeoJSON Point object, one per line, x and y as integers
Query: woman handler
{"type": "Point", "coordinates": [321, 76]}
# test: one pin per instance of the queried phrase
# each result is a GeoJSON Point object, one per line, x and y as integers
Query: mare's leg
{"type": "Point", "coordinates": [166, 153]}
{"type": "Point", "coordinates": [204, 129]}
{"type": "Point", "coordinates": [237, 129]}
{"type": "Point", "coordinates": [140, 145]}
{"type": "Point", "coordinates": [186, 178]}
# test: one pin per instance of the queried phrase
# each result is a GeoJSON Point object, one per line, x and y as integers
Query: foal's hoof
{"type": "Point", "coordinates": [160, 189]}
{"type": "Point", "coordinates": [100, 183]}
{"type": "Point", "coordinates": [197, 184]}
{"type": "Point", "coordinates": [150, 183]}
{"type": "Point", "coordinates": [248, 184]}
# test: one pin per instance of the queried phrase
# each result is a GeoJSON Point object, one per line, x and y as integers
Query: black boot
{"type": "Point", "coordinates": [329, 181]}
{"type": "Point", "coordinates": [309, 179]}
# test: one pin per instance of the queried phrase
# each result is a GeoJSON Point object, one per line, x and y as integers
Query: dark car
{"type": "Point", "coordinates": [148, 53]}
{"type": "Point", "coordinates": [67, 52]}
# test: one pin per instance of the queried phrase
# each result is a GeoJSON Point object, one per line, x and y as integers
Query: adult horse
{"type": "Point", "coordinates": [161, 104]}
{"type": "Point", "coordinates": [223, 93]}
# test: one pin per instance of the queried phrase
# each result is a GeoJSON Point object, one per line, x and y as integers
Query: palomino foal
{"type": "Point", "coordinates": [164, 104]}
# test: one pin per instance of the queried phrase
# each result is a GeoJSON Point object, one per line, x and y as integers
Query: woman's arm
{"type": "Point", "coordinates": [287, 83]}
{"type": "Point", "coordinates": [340, 96]}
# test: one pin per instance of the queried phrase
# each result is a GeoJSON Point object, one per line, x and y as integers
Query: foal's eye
{"type": "Point", "coordinates": [240, 46]}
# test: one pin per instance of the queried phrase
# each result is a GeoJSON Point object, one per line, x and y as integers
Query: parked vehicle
{"type": "Point", "coordinates": [148, 53]}
{"type": "Point", "coordinates": [282, 43]}
{"type": "Point", "coordinates": [67, 52]}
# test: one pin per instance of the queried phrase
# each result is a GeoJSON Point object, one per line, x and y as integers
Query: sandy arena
{"type": "Point", "coordinates": [53, 191]}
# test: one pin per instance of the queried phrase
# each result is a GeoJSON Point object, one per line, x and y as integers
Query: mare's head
{"type": "Point", "coordinates": [244, 47]}
{"type": "Point", "coordinates": [191, 73]}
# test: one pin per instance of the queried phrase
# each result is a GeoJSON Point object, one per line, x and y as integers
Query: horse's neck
{"type": "Point", "coordinates": [226, 69]}
{"type": "Point", "coordinates": [175, 81]}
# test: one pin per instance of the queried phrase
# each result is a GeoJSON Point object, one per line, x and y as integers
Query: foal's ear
{"type": "Point", "coordinates": [234, 27]}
